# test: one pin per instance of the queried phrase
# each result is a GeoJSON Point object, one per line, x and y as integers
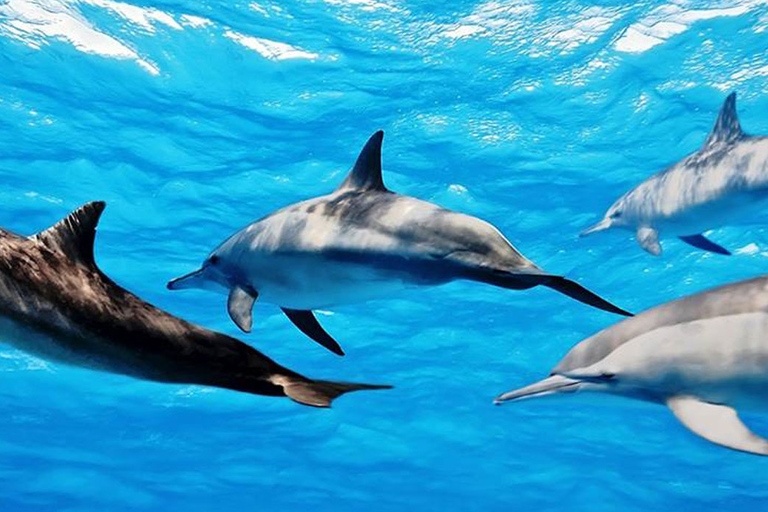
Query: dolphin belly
{"type": "Point", "coordinates": [309, 281]}
{"type": "Point", "coordinates": [72, 348]}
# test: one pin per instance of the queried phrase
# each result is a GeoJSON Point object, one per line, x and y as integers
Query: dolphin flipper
{"type": "Point", "coordinates": [240, 307]}
{"type": "Point", "coordinates": [701, 242]}
{"type": "Point", "coordinates": [308, 324]}
{"type": "Point", "coordinates": [718, 424]}
{"type": "Point", "coordinates": [648, 238]}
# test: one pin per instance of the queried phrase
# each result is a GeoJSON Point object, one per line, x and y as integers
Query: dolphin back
{"type": "Point", "coordinates": [744, 297]}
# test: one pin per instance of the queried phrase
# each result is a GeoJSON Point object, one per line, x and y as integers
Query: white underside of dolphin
{"type": "Point", "coordinates": [704, 356]}
{"type": "Point", "coordinates": [358, 243]}
{"type": "Point", "coordinates": [725, 182]}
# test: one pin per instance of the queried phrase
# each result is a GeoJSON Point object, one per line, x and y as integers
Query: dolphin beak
{"type": "Point", "coordinates": [600, 226]}
{"type": "Point", "coordinates": [550, 385]}
{"type": "Point", "coordinates": [194, 279]}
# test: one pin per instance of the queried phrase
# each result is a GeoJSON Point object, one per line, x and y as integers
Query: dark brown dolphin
{"type": "Point", "coordinates": [57, 304]}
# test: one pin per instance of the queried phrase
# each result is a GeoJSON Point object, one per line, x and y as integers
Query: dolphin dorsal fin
{"type": "Point", "coordinates": [74, 234]}
{"type": "Point", "coordinates": [366, 173]}
{"type": "Point", "coordinates": [727, 127]}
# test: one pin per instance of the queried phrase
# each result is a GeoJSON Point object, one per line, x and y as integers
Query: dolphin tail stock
{"type": "Point", "coordinates": [318, 393]}
{"type": "Point", "coordinates": [551, 385]}
{"type": "Point", "coordinates": [519, 281]}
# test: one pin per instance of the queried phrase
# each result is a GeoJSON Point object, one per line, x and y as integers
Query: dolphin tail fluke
{"type": "Point", "coordinates": [578, 292]}
{"type": "Point", "coordinates": [320, 393]}
{"type": "Point", "coordinates": [550, 385]}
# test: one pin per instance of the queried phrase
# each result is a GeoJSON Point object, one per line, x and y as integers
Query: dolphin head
{"type": "Point", "coordinates": [210, 276]}
{"type": "Point", "coordinates": [616, 217]}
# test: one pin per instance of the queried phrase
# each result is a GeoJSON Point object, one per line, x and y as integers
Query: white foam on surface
{"type": "Point", "coordinates": [670, 20]}
{"type": "Point", "coordinates": [144, 17]}
{"type": "Point", "coordinates": [34, 23]}
{"type": "Point", "coordinates": [195, 21]}
{"type": "Point", "coordinates": [272, 50]}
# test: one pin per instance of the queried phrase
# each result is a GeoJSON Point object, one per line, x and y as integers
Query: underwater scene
{"type": "Point", "coordinates": [277, 203]}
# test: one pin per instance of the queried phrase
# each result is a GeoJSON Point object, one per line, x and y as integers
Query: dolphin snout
{"type": "Point", "coordinates": [600, 226]}
{"type": "Point", "coordinates": [191, 280]}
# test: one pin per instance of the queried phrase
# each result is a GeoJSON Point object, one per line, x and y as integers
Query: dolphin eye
{"type": "Point", "coordinates": [608, 376]}
{"type": "Point", "coordinates": [213, 260]}
{"type": "Point", "coordinates": [616, 215]}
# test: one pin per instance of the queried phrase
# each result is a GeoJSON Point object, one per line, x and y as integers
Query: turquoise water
{"type": "Point", "coordinates": [192, 119]}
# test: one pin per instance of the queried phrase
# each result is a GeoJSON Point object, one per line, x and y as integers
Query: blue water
{"type": "Point", "coordinates": [531, 114]}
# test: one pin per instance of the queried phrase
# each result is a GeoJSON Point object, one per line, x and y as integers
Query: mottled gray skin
{"type": "Point", "coordinates": [353, 245]}
{"type": "Point", "coordinates": [57, 304]}
{"type": "Point", "coordinates": [364, 242]}
{"type": "Point", "coordinates": [358, 243]}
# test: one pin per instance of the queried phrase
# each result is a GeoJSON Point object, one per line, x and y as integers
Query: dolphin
{"type": "Point", "coordinates": [703, 356]}
{"type": "Point", "coordinates": [57, 304]}
{"type": "Point", "coordinates": [724, 181]}
{"type": "Point", "coordinates": [362, 242]}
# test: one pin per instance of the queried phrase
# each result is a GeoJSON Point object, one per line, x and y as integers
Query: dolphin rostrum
{"type": "Point", "coordinates": [57, 304]}
{"type": "Point", "coordinates": [704, 356]}
{"type": "Point", "coordinates": [725, 180]}
{"type": "Point", "coordinates": [362, 242]}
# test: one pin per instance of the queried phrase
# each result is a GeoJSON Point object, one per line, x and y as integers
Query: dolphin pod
{"type": "Point", "coordinates": [704, 356]}
{"type": "Point", "coordinates": [725, 180]}
{"type": "Point", "coordinates": [361, 242]}
{"type": "Point", "coordinates": [56, 303]}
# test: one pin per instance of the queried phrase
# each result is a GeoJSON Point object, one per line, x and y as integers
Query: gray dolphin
{"type": "Point", "coordinates": [362, 242]}
{"type": "Point", "coordinates": [57, 304]}
{"type": "Point", "coordinates": [703, 356]}
{"type": "Point", "coordinates": [725, 180]}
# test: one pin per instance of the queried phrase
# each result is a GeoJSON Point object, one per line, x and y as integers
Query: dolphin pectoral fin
{"type": "Point", "coordinates": [578, 292]}
{"type": "Point", "coordinates": [648, 238]}
{"type": "Point", "coordinates": [718, 424]}
{"type": "Point", "coordinates": [308, 324]}
{"type": "Point", "coordinates": [240, 307]}
{"type": "Point", "coordinates": [701, 242]}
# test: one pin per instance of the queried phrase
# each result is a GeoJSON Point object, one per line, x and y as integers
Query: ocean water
{"type": "Point", "coordinates": [191, 119]}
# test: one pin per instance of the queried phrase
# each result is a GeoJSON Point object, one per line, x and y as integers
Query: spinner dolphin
{"type": "Point", "coordinates": [57, 304]}
{"type": "Point", "coordinates": [724, 181]}
{"type": "Point", "coordinates": [362, 242]}
{"type": "Point", "coordinates": [703, 356]}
